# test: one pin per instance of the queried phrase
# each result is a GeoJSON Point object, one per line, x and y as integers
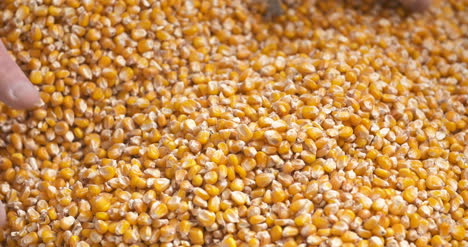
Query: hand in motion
{"type": "Point", "coordinates": [275, 10]}
{"type": "Point", "coordinates": [15, 89]}
{"type": "Point", "coordinates": [416, 5]}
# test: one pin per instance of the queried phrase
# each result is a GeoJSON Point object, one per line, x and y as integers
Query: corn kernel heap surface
{"type": "Point", "coordinates": [197, 123]}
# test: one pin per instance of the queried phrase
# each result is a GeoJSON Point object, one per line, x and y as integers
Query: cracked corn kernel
{"type": "Point", "coordinates": [67, 222]}
{"type": "Point", "coordinates": [29, 239]}
{"type": "Point", "coordinates": [273, 137]}
{"type": "Point", "coordinates": [161, 128]}
{"type": "Point", "coordinates": [238, 197]}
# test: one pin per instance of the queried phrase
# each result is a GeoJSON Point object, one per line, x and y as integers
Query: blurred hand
{"type": "Point", "coordinates": [274, 6]}
{"type": "Point", "coordinates": [17, 92]}
{"type": "Point", "coordinates": [3, 217]}
{"type": "Point", "coordinates": [15, 89]}
{"type": "Point", "coordinates": [416, 5]}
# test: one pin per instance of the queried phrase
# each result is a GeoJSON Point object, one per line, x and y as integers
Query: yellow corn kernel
{"type": "Point", "coordinates": [314, 133]}
{"type": "Point", "coordinates": [276, 233]}
{"type": "Point", "coordinates": [196, 236]}
{"type": "Point", "coordinates": [244, 133]}
{"type": "Point", "coordinates": [279, 195]}
{"type": "Point", "coordinates": [67, 222]}
{"type": "Point", "coordinates": [30, 238]}
{"type": "Point", "coordinates": [212, 190]}
{"type": "Point", "coordinates": [161, 184]}
{"type": "Point", "coordinates": [101, 227]}
{"type": "Point", "coordinates": [93, 35]}
{"type": "Point", "coordinates": [138, 33]}
{"type": "Point", "coordinates": [145, 45]}
{"type": "Point", "coordinates": [185, 227]}
{"type": "Point", "coordinates": [107, 172]}
{"type": "Point", "coordinates": [264, 179]}
{"type": "Point", "coordinates": [228, 241]}
{"type": "Point", "coordinates": [345, 132]}
{"type": "Point", "coordinates": [101, 203]}
{"type": "Point", "coordinates": [36, 77]}
{"type": "Point", "coordinates": [67, 173]}
{"type": "Point", "coordinates": [159, 211]}
{"type": "Point", "coordinates": [206, 218]}
{"type": "Point", "coordinates": [237, 185]}
{"type": "Point", "coordinates": [152, 152]}
{"type": "Point", "coordinates": [290, 231]}
{"type": "Point", "coordinates": [310, 112]}
{"type": "Point", "coordinates": [303, 220]}
{"type": "Point", "coordinates": [458, 232]}
{"type": "Point", "coordinates": [273, 137]}
{"type": "Point", "coordinates": [163, 125]}
{"type": "Point", "coordinates": [434, 182]}
{"type": "Point", "coordinates": [47, 236]}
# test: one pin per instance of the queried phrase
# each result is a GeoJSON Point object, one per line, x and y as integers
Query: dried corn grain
{"type": "Point", "coordinates": [185, 123]}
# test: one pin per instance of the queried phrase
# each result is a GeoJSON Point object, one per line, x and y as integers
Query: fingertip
{"type": "Point", "coordinates": [3, 218]}
{"type": "Point", "coordinates": [15, 89]}
{"type": "Point", "coordinates": [20, 95]}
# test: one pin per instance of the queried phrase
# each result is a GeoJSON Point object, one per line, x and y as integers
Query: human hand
{"type": "Point", "coordinates": [416, 5]}
{"type": "Point", "coordinates": [15, 89]}
{"type": "Point", "coordinates": [274, 6]}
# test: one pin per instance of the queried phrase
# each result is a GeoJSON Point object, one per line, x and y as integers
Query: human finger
{"type": "Point", "coordinates": [416, 5]}
{"type": "Point", "coordinates": [15, 89]}
{"type": "Point", "coordinates": [2, 215]}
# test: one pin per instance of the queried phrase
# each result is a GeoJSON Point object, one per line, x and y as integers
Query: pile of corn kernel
{"type": "Point", "coordinates": [199, 123]}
